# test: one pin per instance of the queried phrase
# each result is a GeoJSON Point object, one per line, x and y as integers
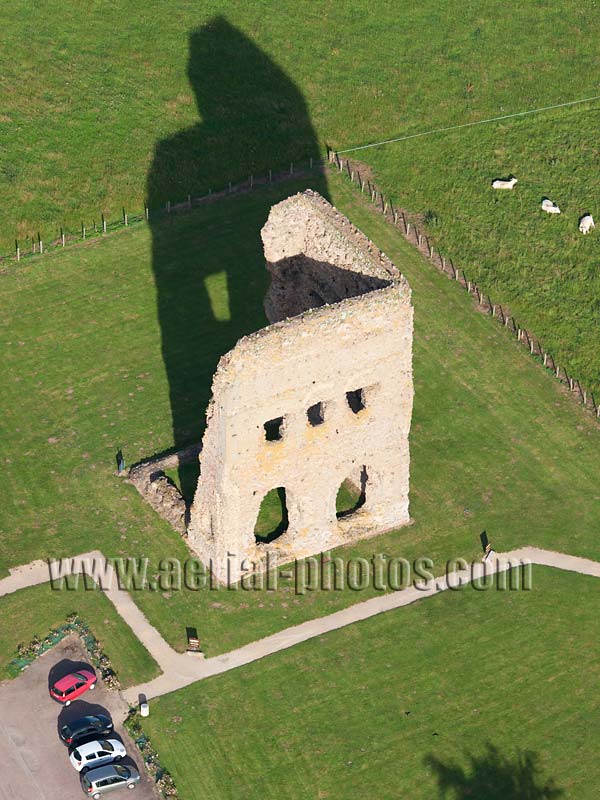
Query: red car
{"type": "Point", "coordinates": [72, 686]}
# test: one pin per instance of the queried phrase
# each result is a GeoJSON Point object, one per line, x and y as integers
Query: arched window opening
{"type": "Point", "coordinates": [351, 497]}
{"type": "Point", "coordinates": [272, 519]}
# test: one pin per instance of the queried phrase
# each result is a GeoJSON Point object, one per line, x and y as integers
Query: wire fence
{"type": "Point", "coordinates": [63, 237]}
{"type": "Point", "coordinates": [412, 233]}
{"type": "Point", "coordinates": [470, 124]}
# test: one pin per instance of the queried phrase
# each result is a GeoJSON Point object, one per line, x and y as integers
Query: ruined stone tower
{"type": "Point", "coordinates": [321, 395]}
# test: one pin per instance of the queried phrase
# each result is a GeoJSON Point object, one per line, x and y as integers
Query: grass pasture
{"type": "Point", "coordinates": [448, 695]}
{"type": "Point", "coordinates": [495, 443]}
{"type": "Point", "coordinates": [160, 101]}
{"type": "Point", "coordinates": [113, 344]}
{"type": "Point", "coordinates": [39, 610]}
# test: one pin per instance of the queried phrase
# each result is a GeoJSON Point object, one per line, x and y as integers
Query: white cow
{"type": "Point", "coordinates": [502, 184]}
{"type": "Point", "coordinates": [550, 207]}
{"type": "Point", "coordinates": [586, 223]}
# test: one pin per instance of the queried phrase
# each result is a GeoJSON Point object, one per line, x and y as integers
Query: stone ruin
{"type": "Point", "coordinates": [322, 395]}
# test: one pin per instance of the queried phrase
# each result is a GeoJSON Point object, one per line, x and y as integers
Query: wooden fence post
{"type": "Point", "coordinates": [62, 236]}
{"type": "Point", "coordinates": [125, 220]}
{"type": "Point", "coordinates": [103, 224]}
{"type": "Point", "coordinates": [18, 250]}
{"type": "Point", "coordinates": [146, 211]}
{"type": "Point", "coordinates": [40, 243]}
{"type": "Point", "coordinates": [189, 202]}
{"type": "Point", "coordinates": [82, 231]}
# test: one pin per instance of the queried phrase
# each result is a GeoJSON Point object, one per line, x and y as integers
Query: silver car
{"type": "Point", "coordinates": [85, 757]}
{"type": "Point", "coordinates": [102, 780]}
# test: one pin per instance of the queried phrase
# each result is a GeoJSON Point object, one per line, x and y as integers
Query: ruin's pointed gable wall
{"type": "Point", "coordinates": [350, 329]}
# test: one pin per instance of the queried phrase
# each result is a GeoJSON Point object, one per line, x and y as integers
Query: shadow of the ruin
{"type": "Point", "coordinates": [209, 267]}
{"type": "Point", "coordinates": [492, 776]}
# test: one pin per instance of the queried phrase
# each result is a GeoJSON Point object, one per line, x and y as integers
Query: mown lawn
{"type": "Point", "coordinates": [33, 612]}
{"type": "Point", "coordinates": [448, 694]}
{"type": "Point", "coordinates": [495, 443]}
{"type": "Point", "coordinates": [157, 102]}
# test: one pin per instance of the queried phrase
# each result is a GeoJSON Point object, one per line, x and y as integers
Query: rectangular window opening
{"type": "Point", "coordinates": [316, 414]}
{"type": "Point", "coordinates": [274, 429]}
{"type": "Point", "coordinates": [356, 400]}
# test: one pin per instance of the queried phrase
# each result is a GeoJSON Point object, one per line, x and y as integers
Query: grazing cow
{"type": "Point", "coordinates": [499, 183]}
{"type": "Point", "coordinates": [550, 207]}
{"type": "Point", "coordinates": [586, 223]}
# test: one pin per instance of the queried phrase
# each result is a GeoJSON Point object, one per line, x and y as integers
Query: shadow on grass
{"type": "Point", "coordinates": [209, 268]}
{"type": "Point", "coordinates": [492, 776]}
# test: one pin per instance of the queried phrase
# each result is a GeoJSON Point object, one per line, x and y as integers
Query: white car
{"type": "Point", "coordinates": [96, 753]}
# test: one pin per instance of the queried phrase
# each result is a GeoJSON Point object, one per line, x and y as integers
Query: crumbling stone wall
{"type": "Point", "coordinates": [321, 395]}
{"type": "Point", "coordinates": [158, 489]}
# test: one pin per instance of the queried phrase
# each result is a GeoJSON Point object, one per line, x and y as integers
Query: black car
{"type": "Point", "coordinates": [78, 730]}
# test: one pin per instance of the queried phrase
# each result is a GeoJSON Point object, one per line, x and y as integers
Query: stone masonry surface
{"type": "Point", "coordinates": [322, 395]}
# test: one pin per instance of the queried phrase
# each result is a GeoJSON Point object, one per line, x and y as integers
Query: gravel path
{"type": "Point", "coordinates": [181, 669]}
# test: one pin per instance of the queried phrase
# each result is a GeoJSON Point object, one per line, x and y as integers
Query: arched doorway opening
{"type": "Point", "coordinates": [272, 520]}
{"type": "Point", "coordinates": [351, 497]}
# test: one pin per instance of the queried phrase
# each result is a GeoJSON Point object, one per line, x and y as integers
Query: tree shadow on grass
{"type": "Point", "coordinates": [208, 266]}
{"type": "Point", "coordinates": [492, 776]}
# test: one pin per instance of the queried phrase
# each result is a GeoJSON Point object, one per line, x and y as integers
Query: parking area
{"type": "Point", "coordinates": [35, 763]}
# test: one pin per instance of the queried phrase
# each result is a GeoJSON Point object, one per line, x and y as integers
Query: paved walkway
{"type": "Point", "coordinates": [181, 669]}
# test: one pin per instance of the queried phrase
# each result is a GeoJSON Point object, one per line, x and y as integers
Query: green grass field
{"type": "Point", "coordinates": [113, 344]}
{"type": "Point", "coordinates": [156, 102]}
{"type": "Point", "coordinates": [448, 696]}
{"type": "Point", "coordinates": [38, 611]}
{"type": "Point", "coordinates": [495, 442]}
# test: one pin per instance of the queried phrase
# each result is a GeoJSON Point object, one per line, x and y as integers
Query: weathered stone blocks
{"type": "Point", "coordinates": [321, 395]}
